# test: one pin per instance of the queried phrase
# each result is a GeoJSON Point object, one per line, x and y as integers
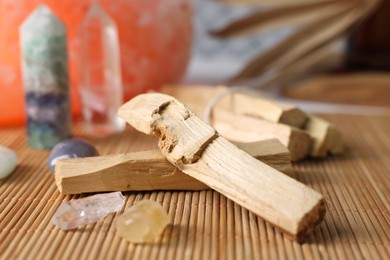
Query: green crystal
{"type": "Point", "coordinates": [45, 78]}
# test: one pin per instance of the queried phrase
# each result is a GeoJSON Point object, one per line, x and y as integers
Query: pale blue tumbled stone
{"type": "Point", "coordinates": [8, 161]}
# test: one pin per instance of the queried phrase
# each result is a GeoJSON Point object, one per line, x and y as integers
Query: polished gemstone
{"type": "Point", "coordinates": [142, 222]}
{"type": "Point", "coordinates": [8, 161]}
{"type": "Point", "coordinates": [101, 87]}
{"type": "Point", "coordinates": [70, 148]}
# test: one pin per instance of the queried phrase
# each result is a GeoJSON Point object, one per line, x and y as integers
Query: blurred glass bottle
{"type": "Point", "coordinates": [368, 48]}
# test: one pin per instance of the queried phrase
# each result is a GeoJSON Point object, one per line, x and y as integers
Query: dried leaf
{"type": "Point", "coordinates": [311, 57]}
{"type": "Point", "coordinates": [269, 3]}
{"type": "Point", "coordinates": [291, 15]}
{"type": "Point", "coordinates": [326, 21]}
{"type": "Point", "coordinates": [299, 68]}
{"type": "Point", "coordinates": [268, 59]}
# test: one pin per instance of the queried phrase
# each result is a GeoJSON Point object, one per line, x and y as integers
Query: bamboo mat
{"type": "Point", "coordinates": [206, 225]}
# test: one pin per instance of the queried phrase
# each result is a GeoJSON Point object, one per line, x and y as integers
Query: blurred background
{"type": "Point", "coordinates": [204, 42]}
{"type": "Point", "coordinates": [214, 60]}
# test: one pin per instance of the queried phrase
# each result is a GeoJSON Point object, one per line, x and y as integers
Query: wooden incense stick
{"type": "Point", "coordinates": [247, 102]}
{"type": "Point", "coordinates": [149, 170]}
{"type": "Point", "coordinates": [326, 138]}
{"type": "Point", "coordinates": [254, 104]}
{"type": "Point", "coordinates": [199, 151]}
{"type": "Point", "coordinates": [241, 128]}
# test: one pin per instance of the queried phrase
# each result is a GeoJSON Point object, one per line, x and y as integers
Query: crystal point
{"type": "Point", "coordinates": [84, 211]}
{"type": "Point", "coordinates": [45, 78]}
{"type": "Point", "coordinates": [142, 222]}
{"type": "Point", "coordinates": [43, 21]}
{"type": "Point", "coordinates": [101, 88]}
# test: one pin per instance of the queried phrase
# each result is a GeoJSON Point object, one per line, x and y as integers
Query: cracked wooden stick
{"type": "Point", "coordinates": [148, 170]}
{"type": "Point", "coordinates": [199, 151]}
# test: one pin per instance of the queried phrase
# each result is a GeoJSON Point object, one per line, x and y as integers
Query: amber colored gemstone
{"type": "Point", "coordinates": [142, 222]}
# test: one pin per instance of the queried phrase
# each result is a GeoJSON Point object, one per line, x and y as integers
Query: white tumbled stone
{"type": "Point", "coordinates": [8, 161]}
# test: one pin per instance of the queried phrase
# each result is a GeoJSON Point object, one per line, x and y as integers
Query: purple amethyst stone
{"type": "Point", "coordinates": [70, 148]}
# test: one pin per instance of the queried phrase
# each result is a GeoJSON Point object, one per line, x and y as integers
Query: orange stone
{"type": "Point", "coordinates": [155, 40]}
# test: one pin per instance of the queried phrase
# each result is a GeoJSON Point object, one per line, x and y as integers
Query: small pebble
{"type": "Point", "coordinates": [142, 222]}
{"type": "Point", "coordinates": [70, 148]}
{"type": "Point", "coordinates": [8, 161]}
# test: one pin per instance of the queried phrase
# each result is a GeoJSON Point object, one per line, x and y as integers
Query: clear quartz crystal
{"type": "Point", "coordinates": [101, 87]}
{"type": "Point", "coordinates": [142, 222]}
{"type": "Point", "coordinates": [84, 211]}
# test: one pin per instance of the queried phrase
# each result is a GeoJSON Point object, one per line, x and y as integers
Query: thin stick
{"type": "Point", "coordinates": [148, 170]}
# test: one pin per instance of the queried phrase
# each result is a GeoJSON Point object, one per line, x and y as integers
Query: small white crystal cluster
{"type": "Point", "coordinates": [81, 212]}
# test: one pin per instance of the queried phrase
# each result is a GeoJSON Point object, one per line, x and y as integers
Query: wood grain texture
{"type": "Point", "coordinates": [149, 170]}
{"type": "Point", "coordinates": [199, 151]}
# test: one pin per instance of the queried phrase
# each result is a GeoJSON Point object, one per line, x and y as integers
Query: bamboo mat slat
{"type": "Point", "coordinates": [205, 224]}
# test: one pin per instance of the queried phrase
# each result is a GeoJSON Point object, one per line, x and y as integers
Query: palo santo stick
{"type": "Point", "coordinates": [243, 103]}
{"type": "Point", "coordinates": [254, 104]}
{"type": "Point", "coordinates": [297, 141]}
{"type": "Point", "coordinates": [271, 152]}
{"type": "Point", "coordinates": [326, 138]}
{"type": "Point", "coordinates": [240, 128]}
{"type": "Point", "coordinates": [199, 94]}
{"type": "Point", "coordinates": [149, 170]}
{"type": "Point", "coordinates": [199, 151]}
